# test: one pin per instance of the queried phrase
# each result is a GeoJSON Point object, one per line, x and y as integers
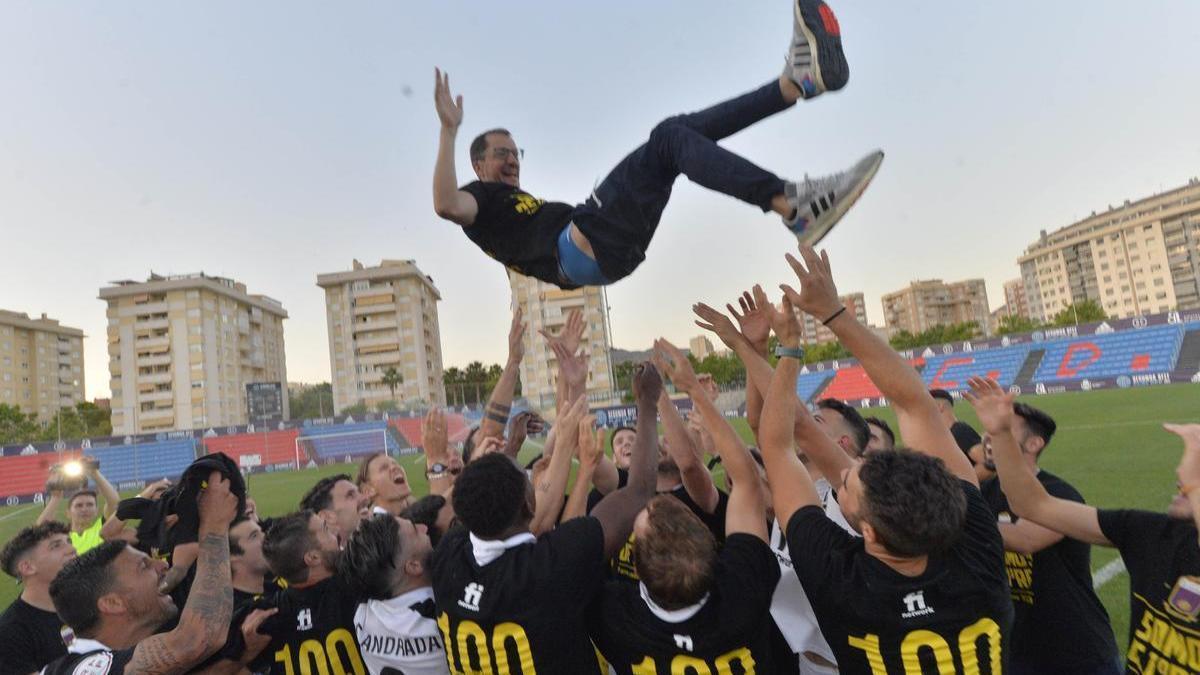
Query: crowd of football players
{"type": "Point", "coordinates": [671, 547]}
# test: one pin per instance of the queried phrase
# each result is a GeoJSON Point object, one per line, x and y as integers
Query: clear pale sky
{"type": "Point", "coordinates": [272, 141]}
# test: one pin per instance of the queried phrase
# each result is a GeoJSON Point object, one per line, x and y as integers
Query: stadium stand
{"type": "Point", "coordinates": [809, 384]}
{"type": "Point", "coordinates": [273, 447]}
{"type": "Point", "coordinates": [1135, 352]}
{"type": "Point", "coordinates": [951, 371]}
{"type": "Point", "coordinates": [853, 384]}
{"type": "Point", "coordinates": [145, 461]}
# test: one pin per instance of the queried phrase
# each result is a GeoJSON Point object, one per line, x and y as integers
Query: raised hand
{"type": "Point", "coordinates": [786, 324]}
{"type": "Point", "coordinates": [434, 437]}
{"type": "Point", "coordinates": [449, 108]}
{"type": "Point", "coordinates": [1189, 465]}
{"type": "Point", "coordinates": [516, 338]}
{"type": "Point", "coordinates": [518, 431]}
{"type": "Point", "coordinates": [755, 317]}
{"type": "Point", "coordinates": [677, 367]}
{"type": "Point", "coordinates": [591, 441]}
{"type": "Point", "coordinates": [156, 489]}
{"type": "Point", "coordinates": [993, 404]}
{"type": "Point", "coordinates": [713, 320]}
{"type": "Point", "coordinates": [647, 383]}
{"type": "Point", "coordinates": [568, 423]}
{"type": "Point", "coordinates": [217, 505]}
{"type": "Point", "coordinates": [818, 294]}
{"type": "Point", "coordinates": [572, 366]}
{"type": "Point", "coordinates": [255, 641]}
{"type": "Point", "coordinates": [571, 335]}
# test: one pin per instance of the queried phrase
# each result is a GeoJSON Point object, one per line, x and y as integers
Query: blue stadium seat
{"type": "Point", "coordinates": [145, 461]}
{"type": "Point", "coordinates": [1134, 352]}
{"type": "Point", "coordinates": [951, 371]}
{"type": "Point", "coordinates": [343, 440]}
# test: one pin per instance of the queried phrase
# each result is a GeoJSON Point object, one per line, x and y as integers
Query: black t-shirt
{"type": "Point", "coordinates": [872, 614]}
{"type": "Point", "coordinates": [622, 564]}
{"type": "Point", "coordinates": [730, 633]}
{"type": "Point", "coordinates": [1059, 625]}
{"type": "Point", "coordinates": [314, 622]}
{"type": "Point", "coordinates": [1163, 559]}
{"type": "Point", "coordinates": [92, 658]}
{"type": "Point", "coordinates": [519, 229]}
{"type": "Point", "coordinates": [523, 612]}
{"type": "Point", "coordinates": [965, 436]}
{"type": "Point", "coordinates": [29, 638]}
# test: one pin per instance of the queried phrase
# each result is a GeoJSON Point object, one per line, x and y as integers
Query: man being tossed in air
{"type": "Point", "coordinates": [604, 239]}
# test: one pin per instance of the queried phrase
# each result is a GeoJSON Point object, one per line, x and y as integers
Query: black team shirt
{"type": "Point", "coordinates": [1059, 625]}
{"type": "Point", "coordinates": [313, 630]}
{"type": "Point", "coordinates": [524, 612]}
{"type": "Point", "coordinates": [956, 617]}
{"type": "Point", "coordinates": [519, 230]}
{"type": "Point", "coordinates": [29, 638]}
{"type": "Point", "coordinates": [729, 634]}
{"type": "Point", "coordinates": [1163, 559]}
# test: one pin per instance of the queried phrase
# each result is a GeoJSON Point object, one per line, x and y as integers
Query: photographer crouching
{"type": "Point", "coordinates": [83, 508]}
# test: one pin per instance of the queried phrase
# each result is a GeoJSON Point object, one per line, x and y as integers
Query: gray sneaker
{"type": "Point", "coordinates": [821, 202]}
{"type": "Point", "coordinates": [815, 61]}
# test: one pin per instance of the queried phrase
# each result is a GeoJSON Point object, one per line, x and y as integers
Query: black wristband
{"type": "Point", "coordinates": [834, 316]}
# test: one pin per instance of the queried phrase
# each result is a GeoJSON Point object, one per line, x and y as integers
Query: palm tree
{"type": "Point", "coordinates": [392, 378]}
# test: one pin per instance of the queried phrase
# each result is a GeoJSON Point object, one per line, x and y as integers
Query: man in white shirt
{"type": "Point", "coordinates": [385, 562]}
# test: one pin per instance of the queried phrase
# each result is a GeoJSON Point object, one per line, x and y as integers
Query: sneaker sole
{"type": "Point", "coordinates": [813, 236]}
{"type": "Point", "coordinates": [825, 49]}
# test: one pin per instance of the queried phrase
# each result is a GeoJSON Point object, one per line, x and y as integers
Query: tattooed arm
{"type": "Point", "coordinates": [204, 621]}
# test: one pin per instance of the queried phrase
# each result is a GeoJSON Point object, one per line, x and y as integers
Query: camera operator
{"type": "Point", "coordinates": [83, 512]}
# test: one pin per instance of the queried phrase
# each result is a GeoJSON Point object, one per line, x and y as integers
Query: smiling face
{"type": "Point", "coordinates": [135, 586]}
{"type": "Point", "coordinates": [387, 480]}
{"type": "Point", "coordinates": [622, 443]}
{"type": "Point", "coordinates": [501, 161]}
{"type": "Point", "coordinates": [248, 536]}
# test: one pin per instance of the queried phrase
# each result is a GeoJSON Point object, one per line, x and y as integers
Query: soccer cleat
{"type": "Point", "coordinates": [821, 202]}
{"type": "Point", "coordinates": [815, 61]}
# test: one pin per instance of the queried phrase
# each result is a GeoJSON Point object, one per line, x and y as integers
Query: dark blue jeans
{"type": "Point", "coordinates": [620, 217]}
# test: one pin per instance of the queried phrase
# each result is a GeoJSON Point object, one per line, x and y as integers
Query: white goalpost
{"type": "Point", "coordinates": [341, 446]}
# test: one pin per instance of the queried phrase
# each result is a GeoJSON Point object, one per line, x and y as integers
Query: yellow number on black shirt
{"type": "Point", "coordinates": [917, 640]}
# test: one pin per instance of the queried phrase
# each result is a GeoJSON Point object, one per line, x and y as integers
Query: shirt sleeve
{"type": "Point", "coordinates": [980, 545]}
{"type": "Point", "coordinates": [812, 540]}
{"type": "Point", "coordinates": [483, 197]}
{"type": "Point", "coordinates": [1134, 533]}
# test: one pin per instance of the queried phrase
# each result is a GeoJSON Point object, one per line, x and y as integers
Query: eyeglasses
{"type": "Point", "coordinates": [504, 153]}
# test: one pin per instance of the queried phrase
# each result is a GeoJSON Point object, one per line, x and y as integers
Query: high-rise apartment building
{"type": "Point", "coordinates": [41, 364]}
{"type": "Point", "coordinates": [700, 347]}
{"type": "Point", "coordinates": [380, 318]}
{"type": "Point", "coordinates": [1139, 258]}
{"type": "Point", "coordinates": [1016, 302]}
{"type": "Point", "coordinates": [812, 331]}
{"type": "Point", "coordinates": [183, 348]}
{"type": "Point", "coordinates": [546, 308]}
{"type": "Point", "coordinates": [928, 303]}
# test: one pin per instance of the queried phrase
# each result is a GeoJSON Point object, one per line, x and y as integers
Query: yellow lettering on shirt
{"type": "Point", "coordinates": [527, 204]}
{"type": "Point", "coordinates": [1161, 644]}
{"type": "Point", "coordinates": [1020, 576]}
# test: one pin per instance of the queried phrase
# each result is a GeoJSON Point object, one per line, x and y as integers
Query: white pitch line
{"type": "Point", "coordinates": [1112, 570]}
{"type": "Point", "coordinates": [17, 512]}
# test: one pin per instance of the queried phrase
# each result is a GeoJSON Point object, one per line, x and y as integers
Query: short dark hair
{"type": "Point", "coordinates": [883, 426]}
{"type": "Point", "coordinates": [25, 541]}
{"type": "Point", "coordinates": [320, 496]}
{"type": "Point", "coordinates": [1040, 424]}
{"type": "Point", "coordinates": [942, 394]}
{"type": "Point", "coordinates": [854, 419]}
{"type": "Point", "coordinates": [677, 556]}
{"type": "Point", "coordinates": [623, 427]}
{"type": "Point", "coordinates": [480, 143]}
{"type": "Point", "coordinates": [368, 559]}
{"type": "Point", "coordinates": [235, 547]}
{"type": "Point", "coordinates": [81, 583]}
{"type": "Point", "coordinates": [912, 501]}
{"type": "Point", "coordinates": [86, 492]}
{"type": "Point", "coordinates": [468, 445]}
{"type": "Point", "coordinates": [424, 511]}
{"type": "Point", "coordinates": [489, 495]}
{"type": "Point", "coordinates": [286, 543]}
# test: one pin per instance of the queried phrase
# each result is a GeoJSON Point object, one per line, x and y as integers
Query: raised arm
{"type": "Point", "coordinates": [204, 621]}
{"type": "Point", "coordinates": [754, 322]}
{"type": "Point", "coordinates": [591, 449]}
{"type": "Point", "coordinates": [791, 486]}
{"type": "Point", "coordinates": [499, 405]}
{"type": "Point", "coordinates": [920, 424]}
{"type": "Point", "coordinates": [441, 466]}
{"type": "Point", "coordinates": [105, 488]}
{"type": "Point", "coordinates": [1026, 496]}
{"type": "Point", "coordinates": [829, 457]}
{"type": "Point", "coordinates": [549, 490]}
{"type": "Point", "coordinates": [617, 511]}
{"type": "Point", "coordinates": [1189, 465]}
{"type": "Point", "coordinates": [448, 201]}
{"type": "Point", "coordinates": [747, 510]}
{"type": "Point", "coordinates": [695, 476]}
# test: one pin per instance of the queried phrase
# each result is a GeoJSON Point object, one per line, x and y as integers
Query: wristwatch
{"type": "Point", "coordinates": [435, 470]}
{"type": "Point", "coordinates": [790, 352]}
